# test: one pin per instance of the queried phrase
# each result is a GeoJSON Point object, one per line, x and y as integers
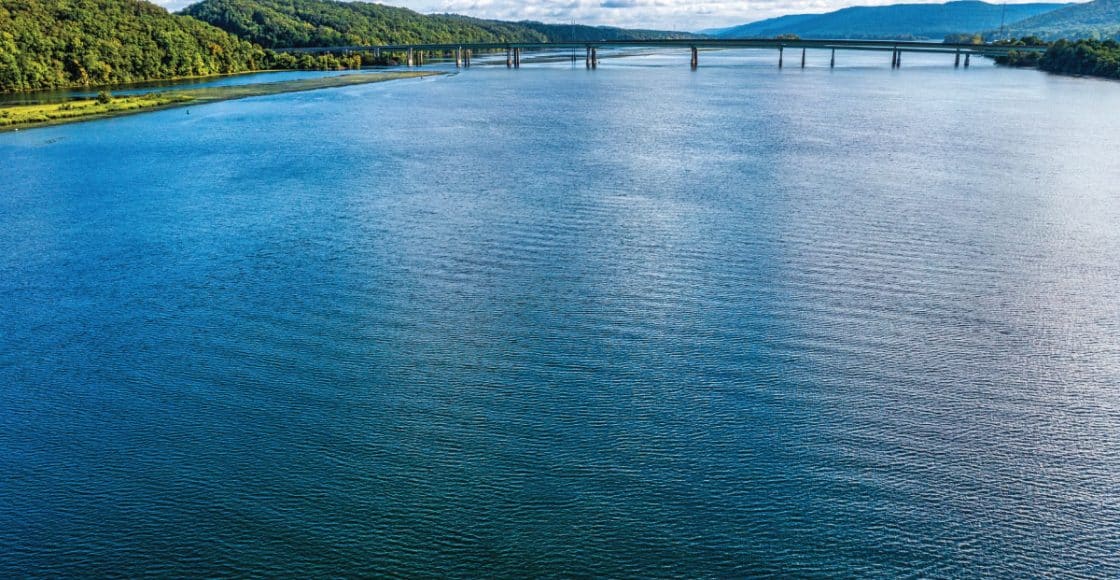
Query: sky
{"type": "Point", "coordinates": [690, 15]}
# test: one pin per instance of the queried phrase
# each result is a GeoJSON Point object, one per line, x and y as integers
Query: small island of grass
{"type": "Point", "coordinates": [39, 115]}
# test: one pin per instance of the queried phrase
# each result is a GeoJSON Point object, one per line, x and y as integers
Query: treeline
{"type": "Point", "coordinates": [307, 23]}
{"type": "Point", "coordinates": [53, 44]}
{"type": "Point", "coordinates": [64, 43]}
{"type": "Point", "coordinates": [1082, 57]}
{"type": "Point", "coordinates": [304, 23]}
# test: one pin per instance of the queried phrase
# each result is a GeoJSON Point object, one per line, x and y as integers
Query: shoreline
{"type": "Point", "coordinates": [20, 117]}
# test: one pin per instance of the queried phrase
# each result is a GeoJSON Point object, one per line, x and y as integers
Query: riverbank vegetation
{"type": "Point", "coordinates": [1083, 57]}
{"type": "Point", "coordinates": [105, 105]}
{"type": "Point", "coordinates": [47, 44]}
{"type": "Point", "coordinates": [53, 44]}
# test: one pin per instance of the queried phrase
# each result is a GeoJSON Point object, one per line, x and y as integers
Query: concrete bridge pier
{"type": "Point", "coordinates": [509, 57]}
{"type": "Point", "coordinates": [802, 58]}
{"type": "Point", "coordinates": [957, 62]}
{"type": "Point", "coordinates": [470, 56]}
{"type": "Point", "coordinates": [832, 61]}
{"type": "Point", "coordinates": [898, 61]}
{"type": "Point", "coordinates": [695, 58]}
{"type": "Point", "coordinates": [377, 52]}
{"type": "Point", "coordinates": [516, 58]}
{"type": "Point", "coordinates": [894, 58]}
{"type": "Point", "coordinates": [458, 57]}
{"type": "Point", "coordinates": [781, 55]}
{"type": "Point", "coordinates": [966, 59]}
{"type": "Point", "coordinates": [410, 61]}
{"type": "Point", "coordinates": [594, 58]}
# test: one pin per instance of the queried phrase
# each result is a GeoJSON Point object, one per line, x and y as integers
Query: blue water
{"type": "Point", "coordinates": [639, 321]}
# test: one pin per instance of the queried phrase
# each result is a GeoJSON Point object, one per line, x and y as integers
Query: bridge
{"type": "Point", "coordinates": [414, 54]}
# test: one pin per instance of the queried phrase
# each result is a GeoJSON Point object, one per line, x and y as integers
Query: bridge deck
{"type": "Point", "coordinates": [877, 45]}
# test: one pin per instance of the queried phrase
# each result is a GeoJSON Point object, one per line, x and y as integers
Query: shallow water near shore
{"type": "Point", "coordinates": [640, 321]}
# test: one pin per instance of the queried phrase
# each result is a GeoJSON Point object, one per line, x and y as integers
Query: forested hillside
{"type": "Point", "coordinates": [284, 23]}
{"type": "Point", "coordinates": [1083, 57]}
{"type": "Point", "coordinates": [47, 44]}
{"type": "Point", "coordinates": [895, 21]}
{"type": "Point", "coordinates": [1099, 19]}
{"type": "Point", "coordinates": [299, 23]}
{"type": "Point", "coordinates": [64, 43]}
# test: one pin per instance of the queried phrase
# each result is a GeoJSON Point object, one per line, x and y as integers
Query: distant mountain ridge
{"type": "Point", "coordinates": [302, 23]}
{"type": "Point", "coordinates": [901, 21]}
{"type": "Point", "coordinates": [1098, 19]}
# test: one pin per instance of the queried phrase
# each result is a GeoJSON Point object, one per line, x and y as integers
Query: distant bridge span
{"type": "Point", "coordinates": [462, 52]}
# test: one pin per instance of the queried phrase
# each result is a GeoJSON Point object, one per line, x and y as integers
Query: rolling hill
{"type": "Point", "coordinates": [292, 23]}
{"type": "Point", "coordinates": [65, 43]}
{"type": "Point", "coordinates": [1097, 19]}
{"type": "Point", "coordinates": [933, 21]}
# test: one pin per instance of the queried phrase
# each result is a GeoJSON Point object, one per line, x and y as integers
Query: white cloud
{"type": "Point", "coordinates": [661, 14]}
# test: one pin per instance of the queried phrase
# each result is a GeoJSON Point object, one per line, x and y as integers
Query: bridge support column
{"type": "Point", "coordinates": [410, 61]}
{"type": "Point", "coordinates": [458, 57]}
{"type": "Point", "coordinates": [802, 58]}
{"type": "Point", "coordinates": [832, 61]}
{"type": "Point", "coordinates": [516, 58]}
{"type": "Point", "coordinates": [898, 61]}
{"type": "Point", "coordinates": [470, 56]}
{"type": "Point", "coordinates": [594, 57]}
{"type": "Point", "coordinates": [695, 58]}
{"type": "Point", "coordinates": [509, 57]}
{"type": "Point", "coordinates": [781, 55]}
{"type": "Point", "coordinates": [377, 52]}
{"type": "Point", "coordinates": [966, 59]}
{"type": "Point", "coordinates": [894, 58]}
{"type": "Point", "coordinates": [957, 62]}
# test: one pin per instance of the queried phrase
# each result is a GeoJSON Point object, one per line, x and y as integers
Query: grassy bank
{"type": "Point", "coordinates": [29, 116]}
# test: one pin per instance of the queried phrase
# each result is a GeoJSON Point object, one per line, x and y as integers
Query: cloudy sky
{"type": "Point", "coordinates": [662, 14]}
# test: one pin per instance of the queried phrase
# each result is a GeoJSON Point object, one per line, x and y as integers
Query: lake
{"type": "Point", "coordinates": [639, 321]}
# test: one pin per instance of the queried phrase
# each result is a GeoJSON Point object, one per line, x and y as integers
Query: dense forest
{"type": "Point", "coordinates": [288, 23]}
{"type": "Point", "coordinates": [1083, 57]}
{"type": "Point", "coordinates": [63, 43]}
{"type": "Point", "coordinates": [302, 23]}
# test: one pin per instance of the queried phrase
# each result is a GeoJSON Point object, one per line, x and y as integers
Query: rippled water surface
{"type": "Point", "coordinates": [640, 321]}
